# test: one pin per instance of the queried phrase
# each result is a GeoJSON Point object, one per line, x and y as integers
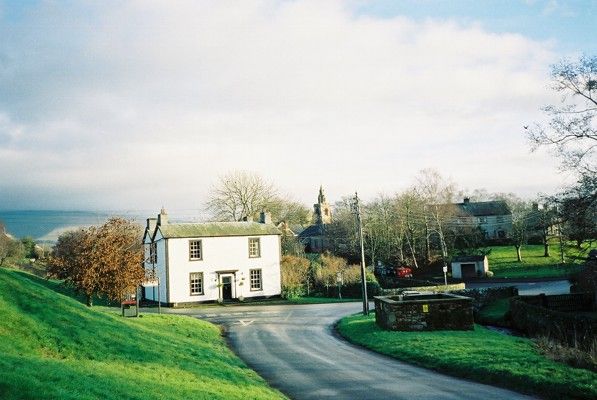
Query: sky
{"type": "Point", "coordinates": [124, 105]}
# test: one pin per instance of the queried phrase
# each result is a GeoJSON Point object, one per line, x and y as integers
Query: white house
{"type": "Point", "coordinates": [469, 267]}
{"type": "Point", "coordinates": [493, 217]}
{"type": "Point", "coordinates": [202, 262]}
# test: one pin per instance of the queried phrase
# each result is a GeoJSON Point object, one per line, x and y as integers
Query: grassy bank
{"type": "Point", "coordinates": [480, 355]}
{"type": "Point", "coordinates": [53, 347]}
{"type": "Point", "coordinates": [503, 262]}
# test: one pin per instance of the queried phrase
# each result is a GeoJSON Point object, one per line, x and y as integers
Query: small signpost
{"type": "Point", "coordinates": [339, 281]}
{"type": "Point", "coordinates": [445, 269]}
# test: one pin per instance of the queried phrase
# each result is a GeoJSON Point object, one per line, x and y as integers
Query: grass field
{"type": "Point", "coordinates": [53, 347]}
{"type": "Point", "coordinates": [503, 263]}
{"type": "Point", "coordinates": [481, 355]}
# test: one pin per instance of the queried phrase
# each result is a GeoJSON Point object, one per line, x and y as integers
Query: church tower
{"type": "Point", "coordinates": [322, 212]}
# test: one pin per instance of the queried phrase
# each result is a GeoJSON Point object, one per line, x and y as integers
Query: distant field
{"type": "Point", "coordinates": [481, 355]}
{"type": "Point", "coordinates": [53, 347]}
{"type": "Point", "coordinates": [503, 263]}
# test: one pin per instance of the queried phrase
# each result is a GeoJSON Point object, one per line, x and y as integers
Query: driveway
{"type": "Point", "coordinates": [295, 349]}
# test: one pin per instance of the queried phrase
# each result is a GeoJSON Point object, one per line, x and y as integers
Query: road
{"type": "Point", "coordinates": [295, 349]}
{"type": "Point", "coordinates": [529, 288]}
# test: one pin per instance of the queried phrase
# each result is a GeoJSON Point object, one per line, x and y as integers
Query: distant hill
{"type": "Point", "coordinates": [54, 347]}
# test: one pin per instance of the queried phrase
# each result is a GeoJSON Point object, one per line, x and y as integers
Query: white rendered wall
{"type": "Point", "coordinates": [160, 266]}
{"type": "Point", "coordinates": [229, 253]}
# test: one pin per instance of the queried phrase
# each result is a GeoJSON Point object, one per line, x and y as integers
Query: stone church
{"type": "Point", "coordinates": [314, 237]}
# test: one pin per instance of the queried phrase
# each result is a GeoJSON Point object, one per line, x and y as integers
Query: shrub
{"type": "Point", "coordinates": [489, 274]}
{"type": "Point", "coordinates": [295, 273]}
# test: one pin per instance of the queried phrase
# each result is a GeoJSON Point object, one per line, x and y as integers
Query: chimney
{"type": "Point", "coordinates": [467, 200]}
{"type": "Point", "coordinates": [151, 224]}
{"type": "Point", "coordinates": [162, 217]}
{"type": "Point", "coordinates": [265, 217]}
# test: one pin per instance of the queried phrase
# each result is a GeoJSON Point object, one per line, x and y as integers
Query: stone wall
{"type": "Point", "coordinates": [433, 289]}
{"type": "Point", "coordinates": [424, 312]}
{"type": "Point", "coordinates": [572, 329]}
{"type": "Point", "coordinates": [482, 297]}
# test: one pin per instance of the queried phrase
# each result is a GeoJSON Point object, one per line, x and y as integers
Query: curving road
{"type": "Point", "coordinates": [295, 349]}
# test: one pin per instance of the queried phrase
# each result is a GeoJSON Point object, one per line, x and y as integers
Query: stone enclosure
{"type": "Point", "coordinates": [424, 312]}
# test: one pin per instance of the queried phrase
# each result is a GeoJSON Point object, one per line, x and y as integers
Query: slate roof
{"type": "Point", "coordinates": [468, 258]}
{"type": "Point", "coordinates": [484, 208]}
{"type": "Point", "coordinates": [212, 229]}
{"type": "Point", "coordinates": [313, 230]}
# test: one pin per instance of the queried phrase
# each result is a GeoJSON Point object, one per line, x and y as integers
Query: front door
{"type": "Point", "coordinates": [468, 270]}
{"type": "Point", "coordinates": [226, 287]}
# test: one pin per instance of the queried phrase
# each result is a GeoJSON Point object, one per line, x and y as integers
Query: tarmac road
{"type": "Point", "coordinates": [295, 349]}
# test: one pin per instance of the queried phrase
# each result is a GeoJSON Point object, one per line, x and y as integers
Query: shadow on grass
{"type": "Point", "coordinates": [60, 287]}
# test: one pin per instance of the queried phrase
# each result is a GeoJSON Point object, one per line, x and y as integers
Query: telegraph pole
{"type": "Point", "coordinates": [357, 211]}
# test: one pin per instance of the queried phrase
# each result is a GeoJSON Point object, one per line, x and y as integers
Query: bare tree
{"type": "Point", "coordinates": [239, 195]}
{"type": "Point", "coordinates": [438, 195]}
{"type": "Point", "coordinates": [572, 129]}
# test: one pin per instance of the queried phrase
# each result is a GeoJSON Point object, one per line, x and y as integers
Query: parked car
{"type": "Point", "coordinates": [403, 272]}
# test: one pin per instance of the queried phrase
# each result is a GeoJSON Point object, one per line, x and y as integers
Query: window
{"type": "Point", "coordinates": [255, 276]}
{"type": "Point", "coordinates": [153, 252]}
{"type": "Point", "coordinates": [254, 248]}
{"type": "Point", "coordinates": [195, 252]}
{"type": "Point", "coordinates": [196, 283]}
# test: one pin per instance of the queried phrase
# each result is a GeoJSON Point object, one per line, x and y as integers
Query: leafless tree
{"type": "Point", "coordinates": [572, 129]}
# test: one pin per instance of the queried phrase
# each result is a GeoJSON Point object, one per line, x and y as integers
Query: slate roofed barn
{"type": "Point", "coordinates": [202, 262]}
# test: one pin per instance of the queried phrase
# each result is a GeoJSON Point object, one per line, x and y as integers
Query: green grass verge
{"type": "Point", "coordinates": [495, 313]}
{"type": "Point", "coordinates": [480, 355]}
{"type": "Point", "coordinates": [53, 347]}
{"type": "Point", "coordinates": [503, 262]}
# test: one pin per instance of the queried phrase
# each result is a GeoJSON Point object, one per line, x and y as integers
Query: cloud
{"type": "Point", "coordinates": [139, 104]}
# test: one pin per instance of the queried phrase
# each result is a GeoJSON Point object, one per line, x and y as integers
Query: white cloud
{"type": "Point", "coordinates": [141, 104]}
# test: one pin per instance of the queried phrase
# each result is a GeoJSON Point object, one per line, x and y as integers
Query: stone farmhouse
{"type": "Point", "coordinates": [216, 261]}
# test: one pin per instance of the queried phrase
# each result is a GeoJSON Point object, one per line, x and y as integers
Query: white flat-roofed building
{"type": "Point", "coordinates": [214, 261]}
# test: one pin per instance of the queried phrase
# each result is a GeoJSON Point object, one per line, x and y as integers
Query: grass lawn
{"type": "Point", "coordinates": [480, 355]}
{"type": "Point", "coordinates": [53, 347]}
{"type": "Point", "coordinates": [503, 263]}
{"type": "Point", "coordinates": [495, 313]}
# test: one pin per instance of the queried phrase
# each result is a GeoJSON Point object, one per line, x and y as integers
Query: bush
{"type": "Point", "coordinates": [295, 273]}
{"type": "Point", "coordinates": [489, 274]}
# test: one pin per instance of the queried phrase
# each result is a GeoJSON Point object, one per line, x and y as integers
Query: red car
{"type": "Point", "coordinates": [404, 272]}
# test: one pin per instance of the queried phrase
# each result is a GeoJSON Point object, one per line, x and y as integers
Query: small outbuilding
{"type": "Point", "coordinates": [469, 267]}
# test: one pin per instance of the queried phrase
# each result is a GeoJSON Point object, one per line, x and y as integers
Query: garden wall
{"type": "Point", "coordinates": [575, 330]}
{"type": "Point", "coordinates": [433, 289]}
{"type": "Point", "coordinates": [482, 297]}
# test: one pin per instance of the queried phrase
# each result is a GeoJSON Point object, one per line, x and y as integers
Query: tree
{"type": "Point", "coordinates": [241, 195]}
{"type": "Point", "coordinates": [103, 260]}
{"type": "Point", "coordinates": [9, 248]}
{"type": "Point", "coordinates": [438, 195]}
{"type": "Point", "coordinates": [295, 275]}
{"type": "Point", "coordinates": [520, 227]}
{"type": "Point", "coordinates": [572, 129]}
{"type": "Point", "coordinates": [577, 207]}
